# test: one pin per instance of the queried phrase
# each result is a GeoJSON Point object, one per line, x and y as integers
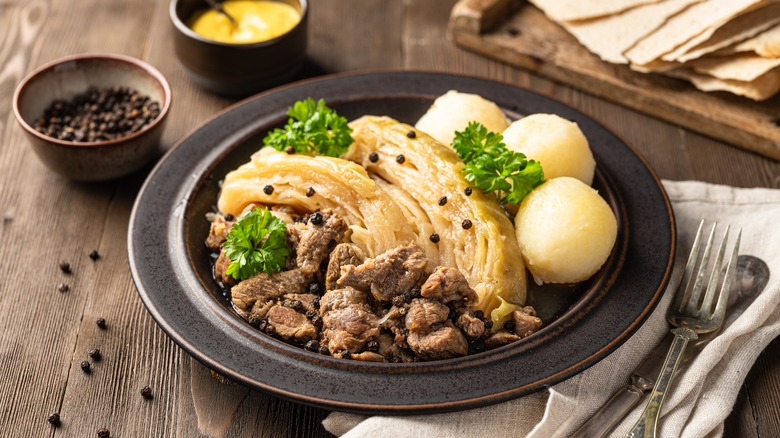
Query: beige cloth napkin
{"type": "Point", "coordinates": [703, 394]}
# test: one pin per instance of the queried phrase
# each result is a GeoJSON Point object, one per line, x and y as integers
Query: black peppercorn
{"type": "Point", "coordinates": [479, 314]}
{"type": "Point", "coordinates": [372, 346]}
{"type": "Point", "coordinates": [312, 346]}
{"type": "Point", "coordinates": [411, 134]}
{"type": "Point", "coordinates": [314, 288]}
{"type": "Point", "coordinates": [146, 392]}
{"type": "Point", "coordinates": [316, 320]}
{"type": "Point", "coordinates": [443, 201]}
{"type": "Point", "coordinates": [510, 326]}
{"type": "Point", "coordinates": [466, 224]}
{"type": "Point", "coordinates": [310, 313]}
{"type": "Point", "coordinates": [435, 238]}
{"type": "Point", "coordinates": [310, 192]}
{"type": "Point", "coordinates": [290, 150]}
{"type": "Point", "coordinates": [262, 325]}
{"type": "Point", "coordinates": [63, 287]}
{"type": "Point", "coordinates": [488, 324]}
{"type": "Point", "coordinates": [95, 355]}
{"type": "Point", "coordinates": [65, 268]}
{"type": "Point", "coordinates": [54, 419]}
{"type": "Point", "coordinates": [373, 157]}
{"type": "Point", "coordinates": [229, 217]}
{"type": "Point", "coordinates": [315, 218]}
{"type": "Point", "coordinates": [324, 350]}
{"type": "Point", "coordinates": [316, 301]}
{"type": "Point", "coordinates": [94, 255]}
{"type": "Point", "coordinates": [400, 159]}
{"type": "Point", "coordinates": [103, 433]}
{"type": "Point", "coordinates": [467, 191]}
{"type": "Point", "coordinates": [254, 321]}
{"type": "Point", "coordinates": [269, 189]}
{"type": "Point", "coordinates": [101, 323]}
{"type": "Point", "coordinates": [346, 354]}
{"type": "Point", "coordinates": [86, 367]}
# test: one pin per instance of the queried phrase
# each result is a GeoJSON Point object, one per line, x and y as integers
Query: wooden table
{"type": "Point", "coordinates": [47, 219]}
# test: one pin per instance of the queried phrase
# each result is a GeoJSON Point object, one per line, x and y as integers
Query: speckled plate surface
{"type": "Point", "coordinates": [170, 264]}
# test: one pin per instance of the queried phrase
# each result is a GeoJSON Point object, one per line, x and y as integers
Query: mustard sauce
{"type": "Point", "coordinates": [257, 20]}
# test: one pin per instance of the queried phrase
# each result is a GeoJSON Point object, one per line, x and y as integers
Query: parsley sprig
{"type": "Point", "coordinates": [313, 129]}
{"type": "Point", "coordinates": [493, 168]}
{"type": "Point", "coordinates": [256, 243]}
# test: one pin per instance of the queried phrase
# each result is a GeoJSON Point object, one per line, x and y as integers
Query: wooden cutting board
{"type": "Point", "coordinates": [520, 34]}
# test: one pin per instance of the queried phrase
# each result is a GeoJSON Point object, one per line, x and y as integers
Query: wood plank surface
{"type": "Point", "coordinates": [526, 38]}
{"type": "Point", "coordinates": [46, 219]}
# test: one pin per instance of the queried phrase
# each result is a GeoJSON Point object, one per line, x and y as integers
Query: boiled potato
{"type": "Point", "coordinates": [565, 230]}
{"type": "Point", "coordinates": [558, 144]}
{"type": "Point", "coordinates": [453, 111]}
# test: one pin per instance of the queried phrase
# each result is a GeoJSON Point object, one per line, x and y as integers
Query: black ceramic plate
{"type": "Point", "coordinates": [171, 269]}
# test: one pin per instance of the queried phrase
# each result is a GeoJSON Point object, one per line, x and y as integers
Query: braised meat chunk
{"type": "Point", "coordinates": [526, 321]}
{"type": "Point", "coordinates": [442, 343]}
{"type": "Point", "coordinates": [291, 325]}
{"type": "Point", "coordinates": [472, 326]}
{"type": "Point", "coordinates": [424, 314]}
{"type": "Point", "coordinates": [323, 232]}
{"type": "Point", "coordinates": [448, 285]}
{"type": "Point", "coordinates": [343, 254]}
{"type": "Point", "coordinates": [348, 321]}
{"type": "Point", "coordinates": [251, 296]}
{"type": "Point", "coordinates": [389, 274]}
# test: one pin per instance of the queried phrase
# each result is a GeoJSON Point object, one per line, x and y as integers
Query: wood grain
{"type": "Point", "coordinates": [45, 219]}
{"type": "Point", "coordinates": [529, 40]}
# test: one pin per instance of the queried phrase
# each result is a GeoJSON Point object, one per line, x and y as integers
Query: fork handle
{"type": "Point", "coordinates": [646, 426]}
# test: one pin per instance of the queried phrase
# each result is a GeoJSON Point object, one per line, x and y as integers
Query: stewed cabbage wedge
{"type": "Point", "coordinates": [423, 170]}
{"type": "Point", "coordinates": [376, 223]}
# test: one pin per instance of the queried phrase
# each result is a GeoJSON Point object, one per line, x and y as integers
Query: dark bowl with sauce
{"type": "Point", "coordinates": [237, 69]}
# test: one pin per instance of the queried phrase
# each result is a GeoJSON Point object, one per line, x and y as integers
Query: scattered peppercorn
{"type": "Point", "coordinates": [316, 218]}
{"type": "Point", "coordinates": [54, 419]}
{"type": "Point", "coordinates": [372, 346]}
{"type": "Point", "coordinates": [86, 367]}
{"type": "Point", "coordinates": [310, 192]}
{"type": "Point", "coordinates": [316, 320]}
{"type": "Point", "coordinates": [411, 134]}
{"type": "Point", "coordinates": [262, 325]}
{"type": "Point", "coordinates": [316, 301]}
{"type": "Point", "coordinates": [510, 326]}
{"type": "Point", "coordinates": [373, 157]}
{"type": "Point", "coordinates": [312, 346]}
{"type": "Point", "coordinates": [94, 255]}
{"type": "Point", "coordinates": [229, 217]}
{"type": "Point", "coordinates": [63, 287]}
{"type": "Point", "coordinates": [146, 392]}
{"type": "Point", "coordinates": [101, 322]}
{"type": "Point", "coordinates": [400, 159]}
{"type": "Point", "coordinates": [310, 313]}
{"type": "Point", "coordinates": [98, 115]}
{"type": "Point", "coordinates": [7, 219]}
{"type": "Point", "coordinates": [65, 268]}
{"type": "Point", "coordinates": [435, 238]}
{"type": "Point", "coordinates": [466, 224]}
{"type": "Point", "coordinates": [443, 201]}
{"type": "Point", "coordinates": [479, 314]}
{"type": "Point", "coordinates": [488, 324]}
{"type": "Point", "coordinates": [269, 189]}
{"type": "Point", "coordinates": [290, 150]}
{"type": "Point", "coordinates": [103, 433]}
{"type": "Point", "coordinates": [254, 321]}
{"type": "Point", "coordinates": [467, 191]}
{"type": "Point", "coordinates": [293, 304]}
{"type": "Point", "coordinates": [346, 354]}
{"type": "Point", "coordinates": [95, 355]}
{"type": "Point", "coordinates": [324, 350]}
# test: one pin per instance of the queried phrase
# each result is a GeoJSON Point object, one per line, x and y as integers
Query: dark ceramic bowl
{"type": "Point", "coordinates": [237, 69]}
{"type": "Point", "coordinates": [65, 78]}
{"type": "Point", "coordinates": [583, 324]}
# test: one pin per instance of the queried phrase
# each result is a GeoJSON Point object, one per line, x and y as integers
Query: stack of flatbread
{"type": "Point", "coordinates": [729, 45]}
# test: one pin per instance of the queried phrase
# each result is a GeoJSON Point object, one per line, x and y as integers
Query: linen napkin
{"type": "Point", "coordinates": [703, 393]}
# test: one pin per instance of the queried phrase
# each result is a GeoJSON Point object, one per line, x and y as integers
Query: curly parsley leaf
{"type": "Point", "coordinates": [493, 168]}
{"type": "Point", "coordinates": [313, 129]}
{"type": "Point", "coordinates": [256, 243]}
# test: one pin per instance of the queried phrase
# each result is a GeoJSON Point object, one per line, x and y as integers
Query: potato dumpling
{"type": "Point", "coordinates": [558, 144]}
{"type": "Point", "coordinates": [565, 230]}
{"type": "Point", "coordinates": [453, 111]}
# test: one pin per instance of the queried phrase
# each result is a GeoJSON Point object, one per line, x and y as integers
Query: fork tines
{"type": "Point", "coordinates": [718, 279]}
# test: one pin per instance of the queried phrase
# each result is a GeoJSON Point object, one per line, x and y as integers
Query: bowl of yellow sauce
{"type": "Point", "coordinates": [261, 45]}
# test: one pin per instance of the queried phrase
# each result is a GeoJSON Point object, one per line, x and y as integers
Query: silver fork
{"type": "Point", "coordinates": [691, 315]}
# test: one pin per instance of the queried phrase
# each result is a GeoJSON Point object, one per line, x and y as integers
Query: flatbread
{"type": "Point", "coordinates": [766, 44]}
{"type": "Point", "coordinates": [737, 29]}
{"type": "Point", "coordinates": [701, 18]}
{"type": "Point", "coordinates": [745, 67]}
{"type": "Point", "coordinates": [761, 88]}
{"type": "Point", "coordinates": [571, 10]}
{"type": "Point", "coordinates": [610, 36]}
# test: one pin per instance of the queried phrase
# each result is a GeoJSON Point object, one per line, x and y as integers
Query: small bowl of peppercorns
{"type": "Point", "coordinates": [94, 117]}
